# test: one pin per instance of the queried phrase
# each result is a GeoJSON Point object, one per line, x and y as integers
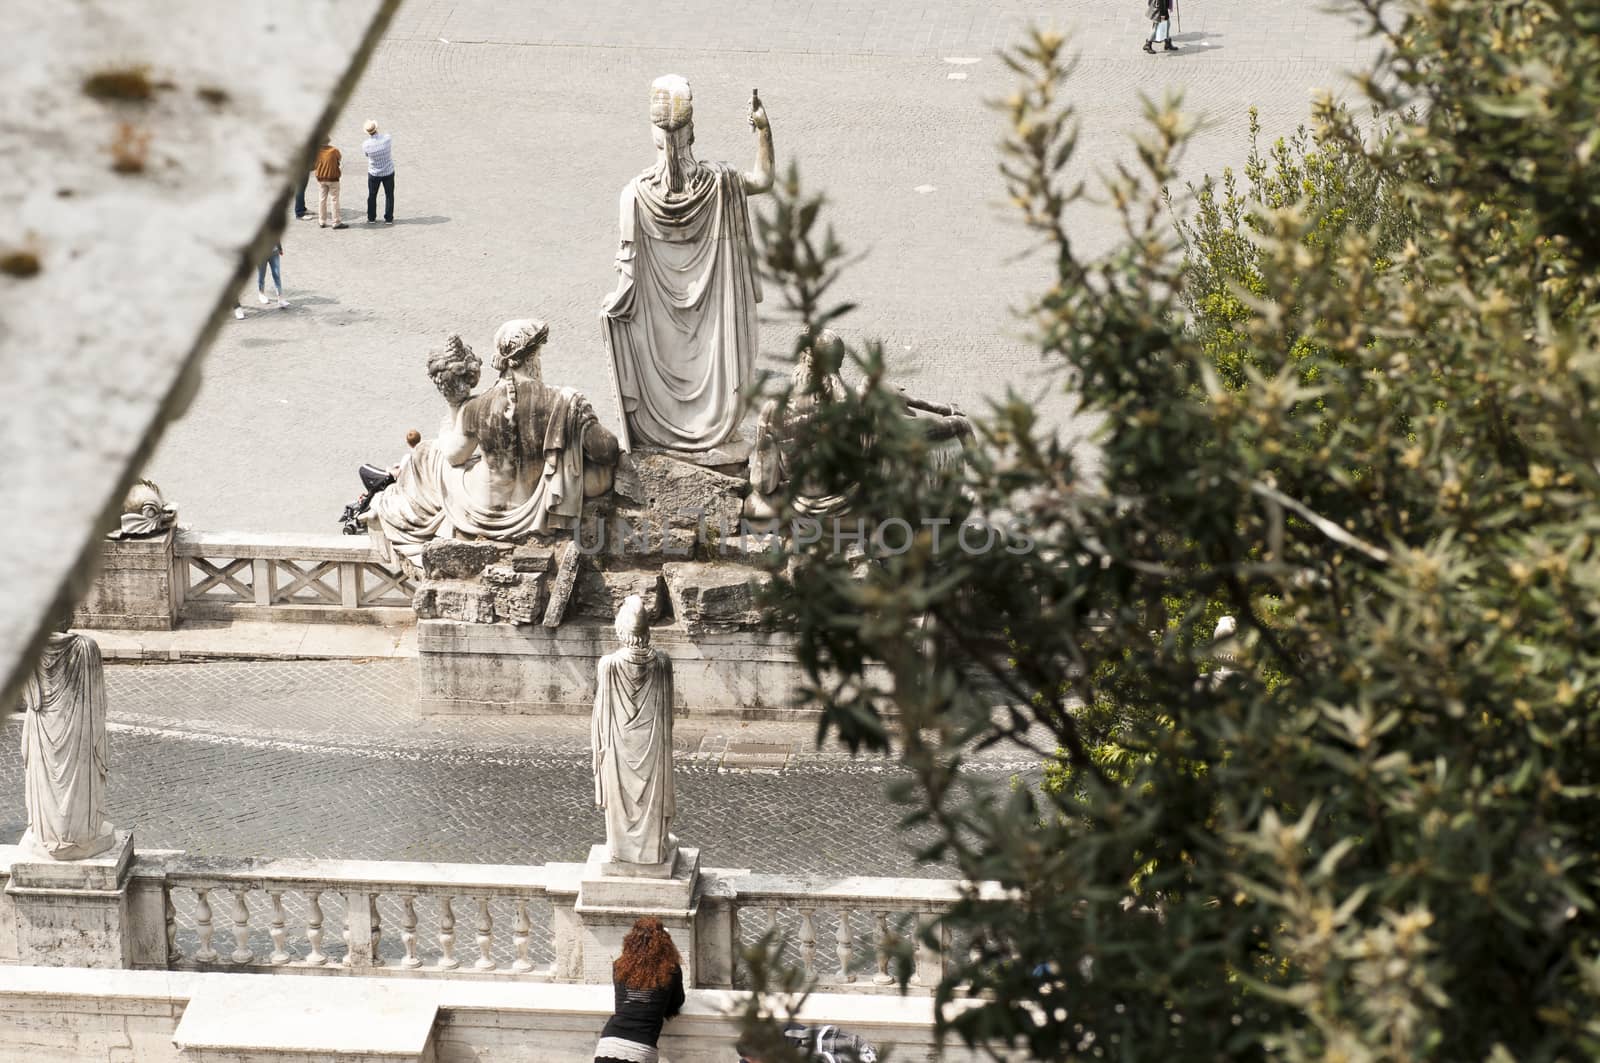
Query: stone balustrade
{"type": "Point", "coordinates": [495, 922]}
{"type": "Point", "coordinates": [472, 920]}
{"type": "Point", "coordinates": [189, 575]}
{"type": "Point", "coordinates": [292, 577]}
{"type": "Point", "coordinates": [842, 932]}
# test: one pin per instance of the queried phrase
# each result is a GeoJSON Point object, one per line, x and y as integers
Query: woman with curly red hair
{"type": "Point", "coordinates": [648, 981]}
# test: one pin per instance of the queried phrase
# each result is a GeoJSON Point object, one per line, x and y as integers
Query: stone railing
{"type": "Point", "coordinates": [367, 917]}
{"type": "Point", "coordinates": [189, 575]}
{"type": "Point", "coordinates": [498, 922]}
{"type": "Point", "coordinates": [841, 931]}
{"type": "Point", "coordinates": [295, 577]}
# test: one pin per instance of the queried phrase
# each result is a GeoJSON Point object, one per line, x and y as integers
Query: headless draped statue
{"type": "Point", "coordinates": [64, 750]}
{"type": "Point", "coordinates": [681, 326]}
{"type": "Point", "coordinates": [631, 738]}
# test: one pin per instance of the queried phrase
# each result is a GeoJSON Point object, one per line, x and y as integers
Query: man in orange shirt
{"type": "Point", "coordinates": [328, 181]}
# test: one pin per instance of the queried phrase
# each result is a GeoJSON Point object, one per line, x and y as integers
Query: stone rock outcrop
{"type": "Point", "coordinates": [469, 601]}
{"type": "Point", "coordinates": [519, 597]}
{"type": "Point", "coordinates": [680, 495]}
{"type": "Point", "coordinates": [598, 595]}
{"type": "Point", "coordinates": [456, 559]}
{"type": "Point", "coordinates": [713, 597]}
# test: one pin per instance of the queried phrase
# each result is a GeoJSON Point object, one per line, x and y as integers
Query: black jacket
{"type": "Point", "coordinates": [640, 1013]}
{"type": "Point", "coordinates": [1156, 10]}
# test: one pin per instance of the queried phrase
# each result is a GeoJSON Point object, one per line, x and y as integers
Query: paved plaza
{"type": "Point", "coordinates": [515, 124]}
{"type": "Point", "coordinates": [331, 759]}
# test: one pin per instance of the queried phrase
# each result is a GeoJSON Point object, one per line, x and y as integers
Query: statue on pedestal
{"type": "Point", "coordinates": [64, 750]}
{"type": "Point", "coordinates": [681, 325]}
{"type": "Point", "coordinates": [631, 739]}
{"type": "Point", "coordinates": [780, 423]}
{"type": "Point", "coordinates": [511, 461]}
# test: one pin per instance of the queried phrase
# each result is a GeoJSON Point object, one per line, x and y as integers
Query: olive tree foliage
{"type": "Point", "coordinates": [1375, 834]}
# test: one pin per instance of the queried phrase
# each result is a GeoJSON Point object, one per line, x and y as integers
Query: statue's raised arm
{"type": "Point", "coordinates": [759, 178]}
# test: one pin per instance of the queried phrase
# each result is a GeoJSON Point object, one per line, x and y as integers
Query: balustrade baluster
{"type": "Point", "coordinates": [280, 955]}
{"type": "Point", "coordinates": [772, 922]}
{"type": "Point", "coordinates": [202, 925]}
{"type": "Point", "coordinates": [377, 929]}
{"type": "Point", "coordinates": [519, 938]}
{"type": "Point", "coordinates": [925, 958]}
{"type": "Point", "coordinates": [447, 936]}
{"type": "Point", "coordinates": [316, 957]}
{"type": "Point", "coordinates": [844, 945]}
{"type": "Point", "coordinates": [170, 913]}
{"type": "Point", "coordinates": [883, 977]}
{"type": "Point", "coordinates": [485, 929]}
{"type": "Point", "coordinates": [408, 930]}
{"type": "Point", "coordinates": [808, 942]}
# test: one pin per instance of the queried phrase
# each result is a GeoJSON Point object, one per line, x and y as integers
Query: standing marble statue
{"type": "Point", "coordinates": [681, 326]}
{"type": "Point", "coordinates": [64, 750]}
{"type": "Point", "coordinates": [631, 738]}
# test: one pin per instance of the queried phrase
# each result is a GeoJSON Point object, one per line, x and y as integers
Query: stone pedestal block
{"type": "Point", "coordinates": [608, 904]}
{"type": "Point", "coordinates": [74, 913]}
{"type": "Point", "coordinates": [504, 668]}
{"type": "Point", "coordinates": [133, 588]}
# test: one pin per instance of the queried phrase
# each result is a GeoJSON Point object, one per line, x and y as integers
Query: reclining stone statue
{"type": "Point", "coordinates": [516, 459]}
{"type": "Point", "coordinates": [781, 422]}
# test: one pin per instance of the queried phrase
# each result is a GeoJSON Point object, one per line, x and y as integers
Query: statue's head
{"type": "Point", "coordinates": [633, 627]}
{"type": "Point", "coordinates": [672, 129]}
{"type": "Point", "coordinates": [517, 343]}
{"type": "Point", "coordinates": [454, 370]}
{"type": "Point", "coordinates": [671, 103]}
{"type": "Point", "coordinates": [820, 355]}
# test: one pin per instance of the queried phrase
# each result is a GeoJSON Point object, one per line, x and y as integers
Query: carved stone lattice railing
{"type": "Point", "coordinates": [336, 916]}
{"type": "Point", "coordinates": [842, 932]}
{"type": "Point", "coordinates": [299, 577]}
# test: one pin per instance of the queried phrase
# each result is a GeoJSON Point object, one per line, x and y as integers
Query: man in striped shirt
{"type": "Point", "coordinates": [380, 171]}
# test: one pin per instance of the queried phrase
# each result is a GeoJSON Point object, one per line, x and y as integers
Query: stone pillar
{"type": "Point", "coordinates": [612, 895]}
{"type": "Point", "coordinates": [73, 913]}
{"type": "Point", "coordinates": [133, 587]}
{"type": "Point", "coordinates": [716, 945]}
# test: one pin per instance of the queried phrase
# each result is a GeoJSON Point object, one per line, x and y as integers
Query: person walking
{"type": "Point", "coordinates": [1160, 14]}
{"type": "Point", "coordinates": [647, 980]}
{"type": "Point", "coordinates": [379, 150]}
{"type": "Point", "coordinates": [273, 263]}
{"type": "Point", "coordinates": [300, 210]}
{"type": "Point", "coordinates": [328, 183]}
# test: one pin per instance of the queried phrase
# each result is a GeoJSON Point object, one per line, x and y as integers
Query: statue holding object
{"type": "Point", "coordinates": [681, 325]}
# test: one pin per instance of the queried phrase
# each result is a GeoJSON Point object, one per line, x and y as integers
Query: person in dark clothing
{"type": "Point", "coordinates": [1160, 15]}
{"type": "Point", "coordinates": [648, 982]}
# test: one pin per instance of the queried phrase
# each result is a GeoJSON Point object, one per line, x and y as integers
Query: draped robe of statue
{"type": "Point", "coordinates": [631, 736]}
{"type": "Point", "coordinates": [540, 446]}
{"type": "Point", "coordinates": [681, 326]}
{"type": "Point", "coordinates": [64, 749]}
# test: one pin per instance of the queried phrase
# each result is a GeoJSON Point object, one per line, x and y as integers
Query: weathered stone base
{"type": "Point", "coordinates": [74, 913]}
{"type": "Point", "coordinates": [133, 587]}
{"type": "Point", "coordinates": [295, 1020]}
{"type": "Point", "coordinates": [608, 904]}
{"type": "Point", "coordinates": [504, 668]}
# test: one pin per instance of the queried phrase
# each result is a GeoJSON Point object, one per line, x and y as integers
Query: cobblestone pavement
{"type": "Point", "coordinates": [330, 759]}
{"type": "Point", "coordinates": [516, 123]}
